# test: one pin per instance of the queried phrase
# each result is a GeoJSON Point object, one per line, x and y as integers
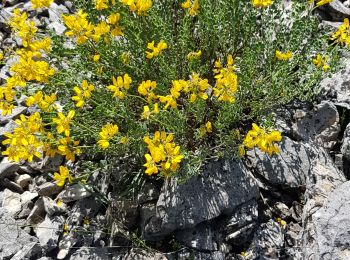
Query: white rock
{"type": "Point", "coordinates": [12, 202]}
{"type": "Point", "coordinates": [23, 180]}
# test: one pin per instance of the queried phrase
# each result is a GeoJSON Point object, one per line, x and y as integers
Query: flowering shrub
{"type": "Point", "coordinates": [170, 83]}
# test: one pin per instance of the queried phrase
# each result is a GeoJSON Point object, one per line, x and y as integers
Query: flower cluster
{"type": "Point", "coordinates": [164, 155]}
{"type": "Point", "coordinates": [29, 65]}
{"type": "Point", "coordinates": [101, 4]}
{"type": "Point", "coordinates": [261, 3]}
{"type": "Point", "coordinates": [284, 55]}
{"type": "Point", "coordinates": [342, 35]}
{"type": "Point", "coordinates": [113, 20]}
{"type": "Point", "coordinates": [44, 102]}
{"type": "Point", "coordinates": [83, 93]}
{"type": "Point", "coordinates": [24, 143]}
{"type": "Point", "coordinates": [83, 30]}
{"type": "Point", "coordinates": [155, 50]}
{"type": "Point", "coordinates": [226, 81]}
{"type": "Point", "coordinates": [193, 7]}
{"type": "Point", "coordinates": [62, 176]}
{"type": "Point", "coordinates": [41, 3]}
{"type": "Point", "coordinates": [108, 131]}
{"type": "Point", "coordinates": [139, 6]}
{"type": "Point", "coordinates": [120, 86]}
{"type": "Point", "coordinates": [258, 137]}
{"type": "Point", "coordinates": [320, 61]}
{"type": "Point", "coordinates": [146, 89]}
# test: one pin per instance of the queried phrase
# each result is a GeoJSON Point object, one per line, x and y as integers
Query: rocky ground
{"type": "Point", "coordinates": [292, 206]}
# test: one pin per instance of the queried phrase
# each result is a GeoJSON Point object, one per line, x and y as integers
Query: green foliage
{"type": "Point", "coordinates": [221, 28]}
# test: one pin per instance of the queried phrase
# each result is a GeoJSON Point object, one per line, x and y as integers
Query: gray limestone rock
{"type": "Point", "coordinates": [332, 225]}
{"type": "Point", "coordinates": [49, 231]}
{"type": "Point", "coordinates": [8, 128]}
{"type": "Point", "coordinates": [11, 201]}
{"type": "Point", "coordinates": [201, 198]}
{"type": "Point", "coordinates": [85, 253]}
{"type": "Point", "coordinates": [16, 112]}
{"type": "Point", "coordinates": [345, 147]}
{"type": "Point", "coordinates": [140, 254]}
{"type": "Point", "coordinates": [337, 87]}
{"type": "Point", "coordinates": [23, 180]}
{"type": "Point", "coordinates": [8, 169]}
{"type": "Point", "coordinates": [241, 223]}
{"type": "Point", "coordinates": [323, 178]}
{"type": "Point", "coordinates": [320, 126]}
{"type": "Point", "coordinates": [13, 239]}
{"type": "Point", "coordinates": [202, 237]}
{"type": "Point", "coordinates": [267, 241]}
{"type": "Point", "coordinates": [73, 193]}
{"type": "Point", "coordinates": [289, 168]}
{"type": "Point", "coordinates": [48, 189]}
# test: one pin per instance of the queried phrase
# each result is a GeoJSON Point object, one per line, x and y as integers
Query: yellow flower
{"type": "Point", "coordinates": [139, 6]}
{"type": "Point", "coordinates": [320, 2]}
{"type": "Point", "coordinates": [61, 177]}
{"type": "Point", "coordinates": [96, 57]}
{"type": "Point", "coordinates": [155, 50]}
{"type": "Point", "coordinates": [120, 86]}
{"type": "Point", "coordinates": [281, 222]}
{"type": "Point", "coordinates": [261, 3]}
{"type": "Point", "coordinates": [284, 55]}
{"type": "Point", "coordinates": [150, 165]}
{"type": "Point", "coordinates": [264, 141]}
{"type": "Point", "coordinates": [226, 81]}
{"type": "Point", "coordinates": [123, 140]}
{"type": "Point", "coordinates": [164, 155]}
{"type": "Point", "coordinates": [82, 93]}
{"type": "Point", "coordinates": [65, 229]}
{"type": "Point", "coordinates": [44, 102]}
{"type": "Point", "coordinates": [29, 69]}
{"type": "Point", "coordinates": [194, 55]}
{"type": "Point", "coordinates": [125, 57]}
{"type": "Point", "coordinates": [63, 122]}
{"type": "Point", "coordinates": [59, 203]}
{"type": "Point", "coordinates": [78, 26]}
{"type": "Point", "coordinates": [192, 7]}
{"type": "Point", "coordinates": [67, 147]}
{"type": "Point", "coordinates": [108, 131]}
{"type": "Point", "coordinates": [147, 112]}
{"type": "Point", "coordinates": [146, 89]}
{"type": "Point", "coordinates": [241, 150]}
{"type": "Point", "coordinates": [197, 87]}
{"type": "Point", "coordinates": [319, 62]}
{"type": "Point", "coordinates": [208, 127]}
{"type": "Point", "coordinates": [24, 143]}
{"type": "Point", "coordinates": [1, 55]}
{"type": "Point", "coordinates": [41, 3]}
{"type": "Point", "coordinates": [101, 4]}
{"type": "Point", "coordinates": [342, 35]}
{"type": "Point", "coordinates": [86, 221]}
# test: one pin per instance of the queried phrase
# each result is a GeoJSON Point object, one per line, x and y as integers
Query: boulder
{"type": "Point", "coordinates": [320, 126]}
{"type": "Point", "coordinates": [267, 242]}
{"type": "Point", "coordinates": [219, 189]}
{"type": "Point", "coordinates": [323, 178]}
{"type": "Point", "coordinates": [241, 223]}
{"type": "Point", "coordinates": [289, 168]}
{"type": "Point", "coordinates": [332, 225]}
{"type": "Point", "coordinates": [337, 87]}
